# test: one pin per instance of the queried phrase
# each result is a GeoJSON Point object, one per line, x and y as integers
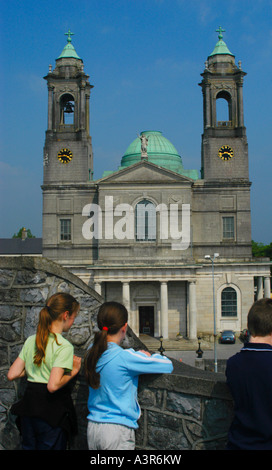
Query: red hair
{"type": "Point", "coordinates": [56, 305]}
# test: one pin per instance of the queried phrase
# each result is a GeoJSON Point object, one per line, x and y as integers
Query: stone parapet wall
{"type": "Point", "coordinates": [189, 409]}
{"type": "Point", "coordinates": [25, 285]}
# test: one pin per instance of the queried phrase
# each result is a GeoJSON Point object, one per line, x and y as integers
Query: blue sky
{"type": "Point", "coordinates": [144, 59]}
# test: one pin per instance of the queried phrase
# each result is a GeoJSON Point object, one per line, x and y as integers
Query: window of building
{"type": "Point", "coordinates": [229, 302]}
{"type": "Point", "coordinates": [145, 221]}
{"type": "Point", "coordinates": [228, 228]}
{"type": "Point", "coordinates": [65, 229]}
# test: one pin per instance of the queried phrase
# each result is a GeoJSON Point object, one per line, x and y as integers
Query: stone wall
{"type": "Point", "coordinates": [25, 285]}
{"type": "Point", "coordinates": [189, 409]}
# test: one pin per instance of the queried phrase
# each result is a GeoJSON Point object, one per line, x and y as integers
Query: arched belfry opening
{"type": "Point", "coordinates": [67, 109]}
{"type": "Point", "coordinates": [223, 109]}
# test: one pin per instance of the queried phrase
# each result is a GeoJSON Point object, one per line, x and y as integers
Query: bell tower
{"type": "Point", "coordinates": [68, 147]}
{"type": "Point", "coordinates": [224, 153]}
{"type": "Point", "coordinates": [67, 159]}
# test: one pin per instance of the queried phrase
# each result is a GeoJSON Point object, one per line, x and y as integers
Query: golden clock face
{"type": "Point", "coordinates": [225, 152]}
{"type": "Point", "coordinates": [65, 155]}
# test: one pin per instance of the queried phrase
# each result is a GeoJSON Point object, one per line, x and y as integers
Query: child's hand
{"type": "Point", "coordinates": [76, 364]}
{"type": "Point", "coordinates": [145, 352]}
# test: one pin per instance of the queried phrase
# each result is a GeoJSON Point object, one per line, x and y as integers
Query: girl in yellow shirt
{"type": "Point", "coordinates": [46, 415]}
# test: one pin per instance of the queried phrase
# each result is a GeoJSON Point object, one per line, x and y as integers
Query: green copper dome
{"type": "Point", "coordinates": [221, 46]}
{"type": "Point", "coordinates": [69, 50]}
{"type": "Point", "coordinates": [159, 151]}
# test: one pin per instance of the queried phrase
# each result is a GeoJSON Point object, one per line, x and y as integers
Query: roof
{"type": "Point", "coordinates": [221, 46]}
{"type": "Point", "coordinates": [69, 50]}
{"type": "Point", "coordinates": [17, 246]}
{"type": "Point", "coordinates": [159, 151]}
{"type": "Point", "coordinates": [157, 145]}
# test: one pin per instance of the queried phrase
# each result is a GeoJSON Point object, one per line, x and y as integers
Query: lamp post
{"type": "Point", "coordinates": [161, 348]}
{"type": "Point", "coordinates": [214, 313]}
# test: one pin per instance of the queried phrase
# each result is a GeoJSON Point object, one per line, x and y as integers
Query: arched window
{"type": "Point", "coordinates": [223, 109]}
{"type": "Point", "coordinates": [229, 302]}
{"type": "Point", "coordinates": [145, 221]}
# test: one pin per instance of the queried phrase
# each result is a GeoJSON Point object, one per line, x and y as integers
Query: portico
{"type": "Point", "coordinates": [160, 302]}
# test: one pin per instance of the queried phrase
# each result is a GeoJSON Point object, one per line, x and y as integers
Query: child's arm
{"type": "Point", "coordinates": [139, 362]}
{"type": "Point", "coordinates": [17, 369]}
{"type": "Point", "coordinates": [58, 378]}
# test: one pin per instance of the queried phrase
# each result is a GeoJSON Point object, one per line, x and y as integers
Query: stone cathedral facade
{"type": "Point", "coordinates": [141, 234]}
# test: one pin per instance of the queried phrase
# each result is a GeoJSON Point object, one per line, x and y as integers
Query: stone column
{"type": "Point", "coordinates": [259, 287]}
{"type": "Point", "coordinates": [82, 109]}
{"type": "Point", "coordinates": [240, 104]}
{"type": "Point", "coordinates": [97, 287]}
{"type": "Point", "coordinates": [126, 301]}
{"type": "Point", "coordinates": [164, 309]}
{"type": "Point", "coordinates": [192, 310]}
{"type": "Point", "coordinates": [208, 106]}
{"type": "Point", "coordinates": [87, 114]}
{"type": "Point", "coordinates": [50, 107]}
{"type": "Point", "coordinates": [126, 295]}
{"type": "Point", "coordinates": [267, 287]}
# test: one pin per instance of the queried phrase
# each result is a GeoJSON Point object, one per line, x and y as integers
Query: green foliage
{"type": "Point", "coordinates": [261, 250]}
{"type": "Point", "coordinates": [19, 234]}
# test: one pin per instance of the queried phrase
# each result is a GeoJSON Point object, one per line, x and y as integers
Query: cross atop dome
{"type": "Point", "coordinates": [220, 31]}
{"type": "Point", "coordinates": [69, 34]}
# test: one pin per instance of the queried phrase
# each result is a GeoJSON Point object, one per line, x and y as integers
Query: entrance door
{"type": "Point", "coordinates": [146, 315]}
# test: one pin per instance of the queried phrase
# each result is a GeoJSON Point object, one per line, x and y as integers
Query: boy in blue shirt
{"type": "Point", "coordinates": [249, 376]}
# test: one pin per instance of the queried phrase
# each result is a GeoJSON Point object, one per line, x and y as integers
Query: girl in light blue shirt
{"type": "Point", "coordinates": [112, 374]}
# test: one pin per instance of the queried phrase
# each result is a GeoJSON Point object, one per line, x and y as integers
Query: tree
{"type": "Point", "coordinates": [259, 250]}
{"type": "Point", "coordinates": [19, 234]}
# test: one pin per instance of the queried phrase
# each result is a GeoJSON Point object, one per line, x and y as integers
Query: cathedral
{"type": "Point", "coordinates": [173, 244]}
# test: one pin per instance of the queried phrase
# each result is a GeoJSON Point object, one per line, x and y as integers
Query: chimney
{"type": "Point", "coordinates": [24, 234]}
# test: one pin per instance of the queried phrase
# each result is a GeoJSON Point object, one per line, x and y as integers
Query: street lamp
{"type": "Point", "coordinates": [214, 315]}
{"type": "Point", "coordinates": [161, 348]}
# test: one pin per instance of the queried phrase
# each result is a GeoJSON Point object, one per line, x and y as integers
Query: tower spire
{"type": "Point", "coordinates": [69, 50]}
{"type": "Point", "coordinates": [221, 46]}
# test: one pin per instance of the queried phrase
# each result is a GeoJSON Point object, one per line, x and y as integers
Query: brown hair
{"type": "Point", "coordinates": [259, 318]}
{"type": "Point", "coordinates": [55, 306]}
{"type": "Point", "coordinates": [111, 317]}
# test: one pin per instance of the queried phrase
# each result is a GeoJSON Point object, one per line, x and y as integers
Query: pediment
{"type": "Point", "coordinates": [145, 172]}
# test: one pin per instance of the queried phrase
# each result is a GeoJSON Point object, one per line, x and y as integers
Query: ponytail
{"type": "Point", "coordinates": [42, 334]}
{"type": "Point", "coordinates": [111, 317]}
{"type": "Point", "coordinates": [56, 305]}
{"type": "Point", "coordinates": [99, 346]}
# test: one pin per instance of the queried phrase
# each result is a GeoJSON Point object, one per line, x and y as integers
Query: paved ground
{"type": "Point", "coordinates": [224, 351]}
{"type": "Point", "coordinates": [185, 350]}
